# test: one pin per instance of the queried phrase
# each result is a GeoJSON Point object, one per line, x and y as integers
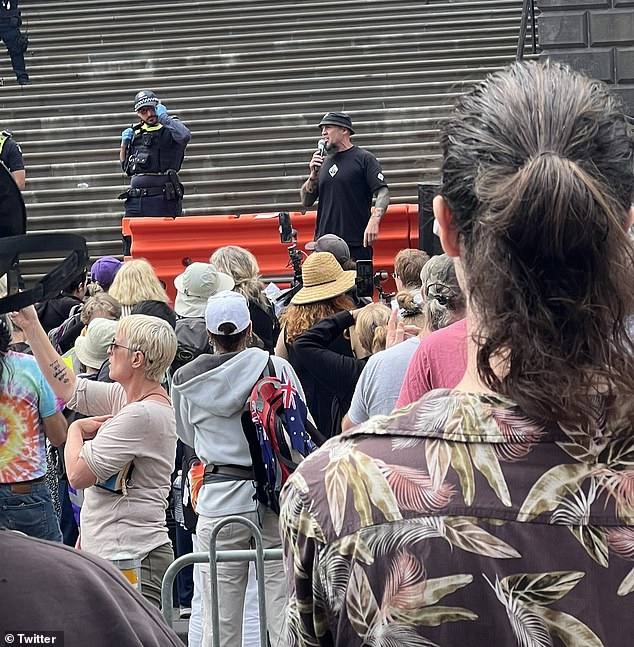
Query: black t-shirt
{"type": "Point", "coordinates": [347, 182]}
{"type": "Point", "coordinates": [322, 402]}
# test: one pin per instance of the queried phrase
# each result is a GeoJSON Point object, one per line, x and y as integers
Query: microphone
{"type": "Point", "coordinates": [321, 147]}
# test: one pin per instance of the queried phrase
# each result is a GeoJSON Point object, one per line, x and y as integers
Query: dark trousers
{"type": "Point", "coordinates": [153, 205]}
{"type": "Point", "coordinates": [150, 205]}
{"type": "Point", "coordinates": [185, 577]}
{"type": "Point", "coordinates": [67, 524]}
{"type": "Point", "coordinates": [13, 39]}
{"type": "Point", "coordinates": [361, 253]}
{"type": "Point", "coordinates": [157, 204]}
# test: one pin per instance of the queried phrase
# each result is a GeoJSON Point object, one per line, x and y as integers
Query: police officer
{"type": "Point", "coordinates": [151, 154]}
{"type": "Point", "coordinates": [14, 39]}
{"type": "Point", "coordinates": [11, 157]}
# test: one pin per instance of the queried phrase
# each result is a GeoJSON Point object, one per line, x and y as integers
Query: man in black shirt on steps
{"type": "Point", "coordinates": [345, 179]}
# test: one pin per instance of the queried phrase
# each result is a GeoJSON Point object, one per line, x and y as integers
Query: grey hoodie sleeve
{"type": "Point", "coordinates": [183, 429]}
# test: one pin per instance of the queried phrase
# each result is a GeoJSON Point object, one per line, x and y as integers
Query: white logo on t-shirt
{"type": "Point", "coordinates": [333, 170]}
{"type": "Point", "coordinates": [380, 176]}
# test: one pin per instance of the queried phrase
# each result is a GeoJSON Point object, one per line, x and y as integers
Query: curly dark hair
{"type": "Point", "coordinates": [537, 173]}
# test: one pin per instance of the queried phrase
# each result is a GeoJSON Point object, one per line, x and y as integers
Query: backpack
{"type": "Point", "coordinates": [276, 425]}
{"type": "Point", "coordinates": [192, 340]}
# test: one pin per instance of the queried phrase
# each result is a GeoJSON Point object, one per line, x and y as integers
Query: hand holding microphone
{"type": "Point", "coordinates": [318, 158]}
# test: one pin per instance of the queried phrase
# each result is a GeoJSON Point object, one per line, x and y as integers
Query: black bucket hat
{"type": "Point", "coordinates": [337, 119]}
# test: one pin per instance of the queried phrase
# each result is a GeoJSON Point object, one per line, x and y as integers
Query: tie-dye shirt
{"type": "Point", "coordinates": [25, 398]}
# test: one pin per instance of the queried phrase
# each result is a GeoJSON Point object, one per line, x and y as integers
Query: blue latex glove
{"type": "Point", "coordinates": [127, 135]}
{"type": "Point", "coordinates": [160, 110]}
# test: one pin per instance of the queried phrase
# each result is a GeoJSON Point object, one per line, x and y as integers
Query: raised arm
{"type": "Point", "coordinates": [309, 190]}
{"type": "Point", "coordinates": [56, 372]}
{"type": "Point", "coordinates": [178, 130]}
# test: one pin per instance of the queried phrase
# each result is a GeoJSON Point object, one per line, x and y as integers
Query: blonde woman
{"type": "Point", "coordinates": [242, 265]}
{"type": "Point", "coordinates": [136, 281]}
{"type": "Point", "coordinates": [132, 436]}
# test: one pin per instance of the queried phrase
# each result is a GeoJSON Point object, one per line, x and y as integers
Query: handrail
{"type": "Point", "coordinates": [528, 8]}
{"type": "Point", "coordinates": [213, 576]}
{"type": "Point", "coordinates": [222, 556]}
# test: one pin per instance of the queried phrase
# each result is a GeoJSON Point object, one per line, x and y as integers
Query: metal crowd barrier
{"type": "Point", "coordinates": [259, 555]}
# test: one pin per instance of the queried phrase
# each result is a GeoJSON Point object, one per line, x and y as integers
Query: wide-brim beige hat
{"type": "Point", "coordinates": [323, 278]}
{"type": "Point", "coordinates": [92, 348]}
{"type": "Point", "coordinates": [195, 285]}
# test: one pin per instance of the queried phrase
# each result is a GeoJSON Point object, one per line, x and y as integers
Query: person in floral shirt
{"type": "Point", "coordinates": [500, 512]}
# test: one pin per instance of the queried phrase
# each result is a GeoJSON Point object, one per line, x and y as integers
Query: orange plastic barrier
{"type": "Point", "coordinates": [170, 243]}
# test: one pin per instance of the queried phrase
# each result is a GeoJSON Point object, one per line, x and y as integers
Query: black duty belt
{"type": "Point", "coordinates": [146, 192]}
{"type": "Point", "coordinates": [217, 473]}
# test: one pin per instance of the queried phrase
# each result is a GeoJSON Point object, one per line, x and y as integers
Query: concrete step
{"type": "Point", "coordinates": [73, 69]}
{"type": "Point", "coordinates": [315, 67]}
{"type": "Point", "coordinates": [207, 54]}
{"type": "Point", "coordinates": [201, 181]}
{"type": "Point", "coordinates": [222, 93]}
{"type": "Point", "coordinates": [269, 39]}
{"type": "Point", "coordinates": [90, 25]}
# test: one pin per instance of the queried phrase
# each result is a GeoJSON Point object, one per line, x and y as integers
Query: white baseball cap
{"type": "Point", "coordinates": [227, 308]}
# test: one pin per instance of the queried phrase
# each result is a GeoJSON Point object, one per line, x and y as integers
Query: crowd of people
{"type": "Point", "coordinates": [475, 436]}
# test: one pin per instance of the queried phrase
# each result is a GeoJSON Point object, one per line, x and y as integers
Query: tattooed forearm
{"type": "Point", "coordinates": [60, 371]}
{"type": "Point", "coordinates": [381, 203]}
{"type": "Point", "coordinates": [308, 192]}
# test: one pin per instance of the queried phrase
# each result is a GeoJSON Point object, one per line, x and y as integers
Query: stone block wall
{"type": "Point", "coordinates": [592, 36]}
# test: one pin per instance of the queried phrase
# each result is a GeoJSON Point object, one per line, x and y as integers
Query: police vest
{"type": "Point", "coordinates": [9, 10]}
{"type": "Point", "coordinates": [153, 150]}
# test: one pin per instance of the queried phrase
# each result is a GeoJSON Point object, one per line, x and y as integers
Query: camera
{"type": "Point", "coordinates": [288, 236]}
{"type": "Point", "coordinates": [367, 280]}
{"type": "Point", "coordinates": [286, 228]}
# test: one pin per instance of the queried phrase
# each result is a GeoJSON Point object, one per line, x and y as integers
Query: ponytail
{"type": "Point", "coordinates": [537, 173]}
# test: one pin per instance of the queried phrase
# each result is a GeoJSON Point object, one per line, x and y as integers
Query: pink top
{"type": "Point", "coordinates": [439, 362]}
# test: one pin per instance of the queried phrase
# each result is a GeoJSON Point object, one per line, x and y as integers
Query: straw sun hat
{"type": "Point", "coordinates": [323, 279]}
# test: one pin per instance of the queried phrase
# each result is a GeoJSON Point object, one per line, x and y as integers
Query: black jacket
{"type": "Point", "coordinates": [328, 371]}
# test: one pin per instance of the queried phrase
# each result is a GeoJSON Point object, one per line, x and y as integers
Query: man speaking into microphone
{"type": "Point", "coordinates": [345, 178]}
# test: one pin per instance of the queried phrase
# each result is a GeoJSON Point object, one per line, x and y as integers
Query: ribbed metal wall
{"type": "Point", "coordinates": [251, 79]}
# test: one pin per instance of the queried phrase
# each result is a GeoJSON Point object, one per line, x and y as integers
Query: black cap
{"type": "Point", "coordinates": [145, 98]}
{"type": "Point", "coordinates": [337, 119]}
